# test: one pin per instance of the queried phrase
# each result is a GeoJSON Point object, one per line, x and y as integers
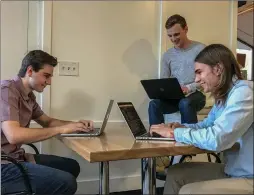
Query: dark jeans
{"type": "Point", "coordinates": [188, 107]}
{"type": "Point", "coordinates": [51, 175]}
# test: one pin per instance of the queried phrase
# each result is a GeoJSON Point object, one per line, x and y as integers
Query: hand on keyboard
{"type": "Point", "coordinates": [155, 135]}
{"type": "Point", "coordinates": [72, 127]}
{"type": "Point", "coordinates": [83, 132]}
{"type": "Point", "coordinates": [163, 130]}
{"type": "Point", "coordinates": [88, 124]}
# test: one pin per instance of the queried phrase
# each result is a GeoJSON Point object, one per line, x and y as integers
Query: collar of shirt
{"type": "Point", "coordinates": [21, 89]}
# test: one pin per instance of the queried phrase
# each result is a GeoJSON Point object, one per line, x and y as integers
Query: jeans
{"type": "Point", "coordinates": [188, 107]}
{"type": "Point", "coordinates": [50, 175]}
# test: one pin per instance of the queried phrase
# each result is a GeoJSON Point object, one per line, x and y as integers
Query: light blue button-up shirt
{"type": "Point", "coordinates": [224, 126]}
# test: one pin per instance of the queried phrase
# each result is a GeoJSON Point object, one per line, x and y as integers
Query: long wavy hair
{"type": "Point", "coordinates": [213, 55]}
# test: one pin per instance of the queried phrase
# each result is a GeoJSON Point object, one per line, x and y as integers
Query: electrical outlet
{"type": "Point", "coordinates": [68, 68]}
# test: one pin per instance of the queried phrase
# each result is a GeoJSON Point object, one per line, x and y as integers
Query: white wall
{"type": "Point", "coordinates": [116, 45]}
{"type": "Point", "coordinates": [14, 31]}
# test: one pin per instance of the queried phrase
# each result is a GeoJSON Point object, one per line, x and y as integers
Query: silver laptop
{"type": "Point", "coordinates": [135, 124]}
{"type": "Point", "coordinates": [96, 131]}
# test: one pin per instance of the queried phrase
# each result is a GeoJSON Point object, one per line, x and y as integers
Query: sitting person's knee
{"type": "Point", "coordinates": [184, 103]}
{"type": "Point", "coordinates": [75, 167]}
{"type": "Point", "coordinates": [70, 183]}
{"type": "Point", "coordinates": [154, 103]}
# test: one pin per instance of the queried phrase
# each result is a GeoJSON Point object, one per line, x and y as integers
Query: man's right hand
{"type": "Point", "coordinates": [185, 90]}
{"type": "Point", "coordinates": [73, 127]}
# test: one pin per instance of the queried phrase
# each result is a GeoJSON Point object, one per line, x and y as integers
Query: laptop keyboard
{"type": "Point", "coordinates": [148, 134]}
{"type": "Point", "coordinates": [81, 132]}
{"type": "Point", "coordinates": [94, 131]}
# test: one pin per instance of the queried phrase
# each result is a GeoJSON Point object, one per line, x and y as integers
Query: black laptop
{"type": "Point", "coordinates": [164, 89]}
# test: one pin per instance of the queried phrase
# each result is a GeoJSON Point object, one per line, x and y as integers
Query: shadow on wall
{"type": "Point", "coordinates": [77, 105]}
{"type": "Point", "coordinates": [141, 61]}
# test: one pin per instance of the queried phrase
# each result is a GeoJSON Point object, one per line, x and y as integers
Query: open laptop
{"type": "Point", "coordinates": [96, 131]}
{"type": "Point", "coordinates": [164, 89]}
{"type": "Point", "coordinates": [135, 124]}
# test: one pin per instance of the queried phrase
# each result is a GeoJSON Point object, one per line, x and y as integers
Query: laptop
{"type": "Point", "coordinates": [96, 131]}
{"type": "Point", "coordinates": [164, 89]}
{"type": "Point", "coordinates": [135, 124]}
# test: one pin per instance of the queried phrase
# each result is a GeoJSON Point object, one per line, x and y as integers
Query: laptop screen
{"type": "Point", "coordinates": [131, 116]}
{"type": "Point", "coordinates": [111, 102]}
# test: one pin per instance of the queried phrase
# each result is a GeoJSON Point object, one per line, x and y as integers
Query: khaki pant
{"type": "Point", "coordinates": [204, 178]}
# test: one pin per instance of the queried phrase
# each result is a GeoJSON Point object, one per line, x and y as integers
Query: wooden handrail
{"type": "Point", "coordinates": [248, 7]}
{"type": "Point", "coordinates": [245, 43]}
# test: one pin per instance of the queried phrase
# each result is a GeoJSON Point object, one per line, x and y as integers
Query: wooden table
{"type": "Point", "coordinates": [117, 143]}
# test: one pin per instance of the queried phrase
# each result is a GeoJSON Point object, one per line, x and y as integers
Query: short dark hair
{"type": "Point", "coordinates": [175, 19]}
{"type": "Point", "coordinates": [219, 54]}
{"type": "Point", "coordinates": [37, 59]}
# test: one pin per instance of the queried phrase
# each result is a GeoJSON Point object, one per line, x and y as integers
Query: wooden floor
{"type": "Point", "coordinates": [136, 192]}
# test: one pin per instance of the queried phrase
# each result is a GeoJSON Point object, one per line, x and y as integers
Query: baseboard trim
{"type": "Point", "coordinates": [117, 184]}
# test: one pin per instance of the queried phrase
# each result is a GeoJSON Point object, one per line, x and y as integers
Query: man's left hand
{"type": "Point", "coordinates": [176, 125]}
{"type": "Point", "coordinates": [88, 124]}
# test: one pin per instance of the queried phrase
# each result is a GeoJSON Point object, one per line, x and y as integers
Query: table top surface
{"type": "Point", "coordinates": [117, 143]}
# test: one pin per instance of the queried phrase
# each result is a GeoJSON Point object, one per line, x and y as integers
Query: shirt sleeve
{"type": "Point", "coordinates": [37, 111]}
{"type": "Point", "coordinates": [234, 121]}
{"type": "Point", "coordinates": [166, 71]}
{"type": "Point", "coordinates": [9, 104]}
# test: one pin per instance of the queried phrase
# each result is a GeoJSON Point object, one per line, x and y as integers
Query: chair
{"type": "Point", "coordinates": [161, 175]}
{"type": "Point", "coordinates": [34, 147]}
{"type": "Point", "coordinates": [27, 184]}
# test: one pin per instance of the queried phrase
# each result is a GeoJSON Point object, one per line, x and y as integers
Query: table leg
{"type": "Point", "coordinates": [104, 178]}
{"type": "Point", "coordinates": [143, 161]}
{"type": "Point", "coordinates": [148, 176]}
